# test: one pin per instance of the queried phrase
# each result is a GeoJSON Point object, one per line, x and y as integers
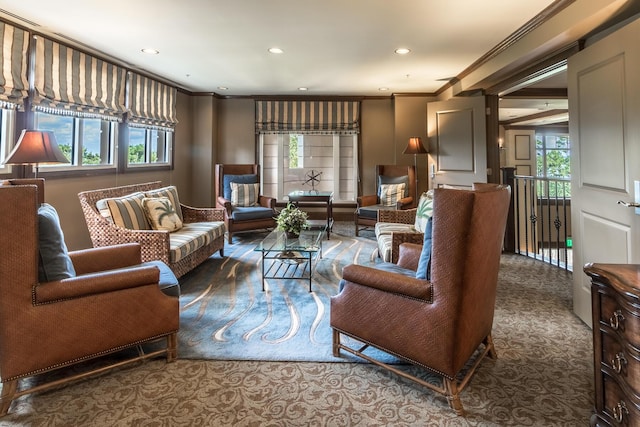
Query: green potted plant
{"type": "Point", "coordinates": [291, 220]}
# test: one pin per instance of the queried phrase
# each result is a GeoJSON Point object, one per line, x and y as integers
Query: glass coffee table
{"type": "Point", "coordinates": [290, 257]}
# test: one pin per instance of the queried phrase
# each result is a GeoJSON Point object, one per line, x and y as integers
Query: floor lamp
{"type": "Point", "coordinates": [35, 147]}
{"type": "Point", "coordinates": [415, 147]}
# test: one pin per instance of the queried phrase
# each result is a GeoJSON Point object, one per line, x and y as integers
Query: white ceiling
{"type": "Point", "coordinates": [332, 47]}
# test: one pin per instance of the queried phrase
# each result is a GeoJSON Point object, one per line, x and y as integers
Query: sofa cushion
{"type": "Point", "coordinates": [424, 263]}
{"type": "Point", "coordinates": [391, 193]}
{"type": "Point", "coordinates": [240, 179]}
{"type": "Point", "coordinates": [244, 195]}
{"type": "Point", "coordinates": [424, 211]}
{"type": "Point", "coordinates": [127, 211]}
{"type": "Point", "coordinates": [54, 262]}
{"type": "Point", "coordinates": [404, 179]}
{"type": "Point", "coordinates": [240, 213]}
{"type": "Point", "coordinates": [193, 236]}
{"type": "Point", "coordinates": [168, 282]}
{"type": "Point", "coordinates": [161, 214]}
{"type": "Point", "coordinates": [170, 192]}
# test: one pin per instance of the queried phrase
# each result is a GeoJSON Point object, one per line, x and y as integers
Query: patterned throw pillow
{"type": "Point", "coordinates": [244, 195]}
{"type": "Point", "coordinates": [161, 214]}
{"type": "Point", "coordinates": [127, 211]}
{"type": "Point", "coordinates": [391, 193]}
{"type": "Point", "coordinates": [424, 211]}
{"type": "Point", "coordinates": [172, 193]}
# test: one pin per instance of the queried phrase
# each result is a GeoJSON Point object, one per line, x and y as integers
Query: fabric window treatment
{"type": "Point", "coordinates": [151, 104]}
{"type": "Point", "coordinates": [308, 117]}
{"type": "Point", "coordinates": [14, 85]}
{"type": "Point", "coordinates": [70, 82]}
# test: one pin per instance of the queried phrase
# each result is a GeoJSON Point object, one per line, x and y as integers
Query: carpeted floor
{"type": "Point", "coordinates": [543, 377]}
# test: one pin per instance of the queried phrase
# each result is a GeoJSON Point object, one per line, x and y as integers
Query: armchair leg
{"type": "Point", "coordinates": [355, 220]}
{"type": "Point", "coordinates": [229, 237]}
{"type": "Point", "coordinates": [172, 347]}
{"type": "Point", "coordinates": [488, 341]}
{"type": "Point", "coordinates": [453, 395]}
{"type": "Point", "coordinates": [336, 343]}
{"type": "Point", "coordinates": [8, 394]}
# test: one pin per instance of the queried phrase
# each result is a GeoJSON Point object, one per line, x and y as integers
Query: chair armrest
{"type": "Point", "coordinates": [409, 255]}
{"type": "Point", "coordinates": [405, 203]}
{"type": "Point", "coordinates": [399, 238]}
{"type": "Point", "coordinates": [388, 282]}
{"type": "Point", "coordinates": [407, 216]}
{"type": "Point", "coordinates": [267, 202]}
{"type": "Point", "coordinates": [366, 200]}
{"type": "Point", "coordinates": [191, 214]}
{"type": "Point", "coordinates": [95, 283]}
{"type": "Point", "coordinates": [106, 258]}
{"type": "Point", "coordinates": [225, 204]}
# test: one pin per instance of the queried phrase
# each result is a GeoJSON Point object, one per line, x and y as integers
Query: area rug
{"type": "Point", "coordinates": [225, 315]}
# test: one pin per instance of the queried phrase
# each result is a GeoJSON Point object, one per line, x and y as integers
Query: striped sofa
{"type": "Point", "coordinates": [115, 215]}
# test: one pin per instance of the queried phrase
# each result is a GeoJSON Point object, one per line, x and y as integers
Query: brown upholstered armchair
{"type": "Point", "coordinates": [258, 213]}
{"type": "Point", "coordinates": [368, 206]}
{"type": "Point", "coordinates": [437, 322]}
{"type": "Point", "coordinates": [105, 303]}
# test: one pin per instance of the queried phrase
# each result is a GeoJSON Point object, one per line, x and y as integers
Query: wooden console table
{"type": "Point", "coordinates": [312, 197]}
{"type": "Point", "coordinates": [615, 294]}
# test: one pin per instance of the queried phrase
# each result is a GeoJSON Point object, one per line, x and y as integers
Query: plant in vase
{"type": "Point", "coordinates": [291, 220]}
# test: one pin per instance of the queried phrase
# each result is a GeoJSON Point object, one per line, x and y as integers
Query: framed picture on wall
{"type": "Point", "coordinates": [523, 147]}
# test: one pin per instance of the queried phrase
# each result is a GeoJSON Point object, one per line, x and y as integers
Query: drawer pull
{"type": "Point", "coordinates": [620, 411]}
{"type": "Point", "coordinates": [615, 319]}
{"type": "Point", "coordinates": [618, 362]}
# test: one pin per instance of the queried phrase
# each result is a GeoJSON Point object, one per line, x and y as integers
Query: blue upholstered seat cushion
{"type": "Point", "coordinates": [382, 179]}
{"type": "Point", "coordinates": [240, 179]}
{"type": "Point", "coordinates": [240, 213]}
{"type": "Point", "coordinates": [424, 263]}
{"type": "Point", "coordinates": [371, 211]}
{"type": "Point", "coordinates": [54, 262]}
{"type": "Point", "coordinates": [168, 282]}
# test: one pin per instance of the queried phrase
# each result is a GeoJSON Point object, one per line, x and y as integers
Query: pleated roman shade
{"type": "Point", "coordinates": [14, 85]}
{"type": "Point", "coordinates": [70, 82]}
{"type": "Point", "coordinates": [151, 103]}
{"type": "Point", "coordinates": [310, 117]}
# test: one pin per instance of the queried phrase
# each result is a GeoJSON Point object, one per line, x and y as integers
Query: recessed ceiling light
{"type": "Point", "coordinates": [223, 88]}
{"type": "Point", "coordinates": [150, 51]}
{"type": "Point", "coordinates": [303, 88]}
{"type": "Point", "coordinates": [402, 51]}
{"type": "Point", "coordinates": [276, 50]}
{"type": "Point", "coordinates": [382, 89]}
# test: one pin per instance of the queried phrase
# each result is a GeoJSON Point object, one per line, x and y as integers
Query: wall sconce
{"type": "Point", "coordinates": [415, 147]}
{"type": "Point", "coordinates": [35, 147]}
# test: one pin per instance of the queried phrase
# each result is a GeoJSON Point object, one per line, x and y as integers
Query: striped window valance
{"type": "Point", "coordinates": [70, 82]}
{"type": "Point", "coordinates": [14, 85]}
{"type": "Point", "coordinates": [311, 117]}
{"type": "Point", "coordinates": [151, 103]}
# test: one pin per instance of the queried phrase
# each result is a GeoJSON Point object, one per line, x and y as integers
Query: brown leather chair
{"type": "Point", "coordinates": [110, 303]}
{"type": "Point", "coordinates": [367, 207]}
{"type": "Point", "coordinates": [435, 323]}
{"type": "Point", "coordinates": [239, 218]}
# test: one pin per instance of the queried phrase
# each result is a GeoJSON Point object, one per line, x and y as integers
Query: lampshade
{"type": "Point", "coordinates": [415, 146]}
{"type": "Point", "coordinates": [35, 147]}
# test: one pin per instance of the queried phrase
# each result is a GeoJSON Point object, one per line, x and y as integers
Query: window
{"type": "Point", "coordinates": [148, 146]}
{"type": "Point", "coordinates": [7, 136]}
{"type": "Point", "coordinates": [86, 142]}
{"type": "Point", "coordinates": [553, 162]}
{"type": "Point", "coordinates": [334, 156]}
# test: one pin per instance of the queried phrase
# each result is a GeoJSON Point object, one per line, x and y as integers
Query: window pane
{"type": "Point", "coordinates": [296, 151]}
{"type": "Point", "coordinates": [136, 145]}
{"type": "Point", "coordinates": [62, 127]}
{"type": "Point", "coordinates": [91, 138]}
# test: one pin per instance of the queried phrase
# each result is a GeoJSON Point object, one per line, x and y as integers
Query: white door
{"type": "Point", "coordinates": [604, 127]}
{"type": "Point", "coordinates": [457, 142]}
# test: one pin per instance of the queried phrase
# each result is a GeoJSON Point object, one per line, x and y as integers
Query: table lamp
{"type": "Point", "coordinates": [35, 147]}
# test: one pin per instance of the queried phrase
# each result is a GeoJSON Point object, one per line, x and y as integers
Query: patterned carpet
{"type": "Point", "coordinates": [543, 377]}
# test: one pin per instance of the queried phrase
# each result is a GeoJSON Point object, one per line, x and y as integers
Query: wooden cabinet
{"type": "Point", "coordinates": [615, 294]}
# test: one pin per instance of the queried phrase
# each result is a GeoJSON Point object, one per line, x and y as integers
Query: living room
{"type": "Point", "coordinates": [213, 127]}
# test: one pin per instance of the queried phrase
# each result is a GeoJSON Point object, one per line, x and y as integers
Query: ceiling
{"type": "Point", "coordinates": [331, 47]}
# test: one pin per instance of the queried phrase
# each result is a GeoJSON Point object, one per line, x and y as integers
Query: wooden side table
{"type": "Point", "coordinates": [311, 198]}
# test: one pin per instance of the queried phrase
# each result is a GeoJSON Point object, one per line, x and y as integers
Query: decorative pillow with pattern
{"type": "Point", "coordinates": [424, 211]}
{"type": "Point", "coordinates": [244, 195]}
{"type": "Point", "coordinates": [172, 193]}
{"type": "Point", "coordinates": [391, 193]}
{"type": "Point", "coordinates": [161, 214]}
{"type": "Point", "coordinates": [127, 211]}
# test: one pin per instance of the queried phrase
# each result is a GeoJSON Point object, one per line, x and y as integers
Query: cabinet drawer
{"type": "Point", "coordinates": [619, 409]}
{"type": "Point", "coordinates": [619, 360]}
{"type": "Point", "coordinates": [614, 313]}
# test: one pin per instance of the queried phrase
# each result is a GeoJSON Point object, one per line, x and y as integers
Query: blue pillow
{"type": "Point", "coordinates": [424, 263]}
{"type": "Point", "coordinates": [394, 180]}
{"type": "Point", "coordinates": [54, 262]}
{"type": "Point", "coordinates": [240, 179]}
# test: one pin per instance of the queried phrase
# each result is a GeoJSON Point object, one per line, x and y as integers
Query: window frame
{"type": "Point", "coordinates": [167, 164]}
